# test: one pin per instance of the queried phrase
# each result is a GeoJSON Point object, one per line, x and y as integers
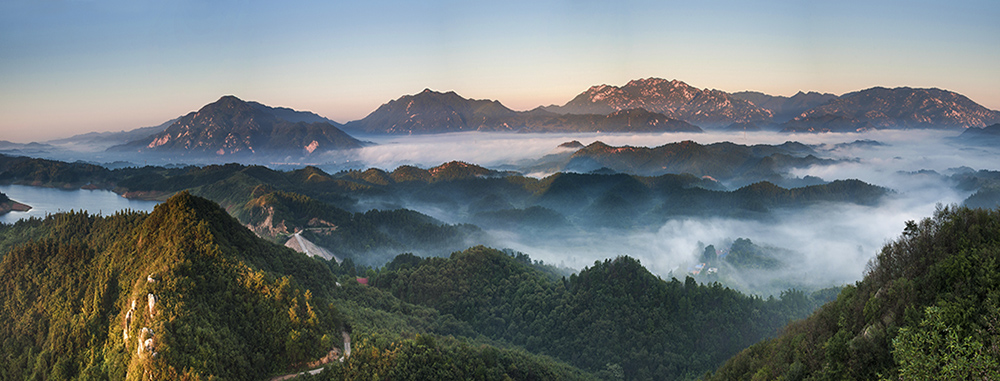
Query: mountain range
{"type": "Point", "coordinates": [660, 105]}
{"type": "Point", "coordinates": [435, 112]}
{"type": "Point", "coordinates": [231, 126]}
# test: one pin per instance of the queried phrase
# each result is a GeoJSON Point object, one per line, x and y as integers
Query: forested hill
{"type": "Point", "coordinates": [167, 295]}
{"type": "Point", "coordinates": [612, 317]}
{"type": "Point", "coordinates": [186, 292]}
{"type": "Point", "coordinates": [928, 308]}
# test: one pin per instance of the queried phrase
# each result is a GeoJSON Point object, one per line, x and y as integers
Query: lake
{"type": "Point", "coordinates": [45, 201]}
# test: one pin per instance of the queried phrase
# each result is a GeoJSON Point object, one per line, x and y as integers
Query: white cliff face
{"type": "Point", "coordinates": [128, 322]}
{"type": "Point", "coordinates": [145, 342]}
{"type": "Point", "coordinates": [152, 304]}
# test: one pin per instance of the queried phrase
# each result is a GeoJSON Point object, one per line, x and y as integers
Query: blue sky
{"type": "Point", "coordinates": [70, 67]}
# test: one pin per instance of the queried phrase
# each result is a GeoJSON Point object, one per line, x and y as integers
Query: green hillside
{"type": "Point", "coordinates": [927, 308]}
{"type": "Point", "coordinates": [612, 316]}
{"type": "Point", "coordinates": [68, 299]}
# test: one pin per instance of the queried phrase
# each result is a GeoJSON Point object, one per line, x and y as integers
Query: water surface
{"type": "Point", "coordinates": [45, 201]}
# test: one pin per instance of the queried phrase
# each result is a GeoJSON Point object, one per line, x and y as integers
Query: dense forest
{"type": "Point", "coordinates": [927, 308]}
{"type": "Point", "coordinates": [614, 314]}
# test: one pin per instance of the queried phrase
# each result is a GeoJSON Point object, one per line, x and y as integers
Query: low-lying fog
{"type": "Point", "coordinates": [832, 243]}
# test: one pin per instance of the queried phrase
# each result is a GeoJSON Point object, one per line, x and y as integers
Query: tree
{"type": "Point", "coordinates": [935, 351]}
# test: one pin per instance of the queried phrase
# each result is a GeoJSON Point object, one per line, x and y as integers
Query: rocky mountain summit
{"type": "Point", "coordinates": [674, 99]}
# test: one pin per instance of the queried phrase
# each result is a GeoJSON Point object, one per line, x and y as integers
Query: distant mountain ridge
{"type": "Point", "coordinates": [231, 126]}
{"type": "Point", "coordinates": [901, 107]}
{"type": "Point", "coordinates": [989, 135]}
{"type": "Point", "coordinates": [785, 108]}
{"type": "Point", "coordinates": [119, 137]}
{"type": "Point", "coordinates": [725, 161]}
{"type": "Point", "coordinates": [430, 112]}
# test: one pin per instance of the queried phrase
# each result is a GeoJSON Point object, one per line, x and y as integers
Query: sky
{"type": "Point", "coordinates": [69, 67]}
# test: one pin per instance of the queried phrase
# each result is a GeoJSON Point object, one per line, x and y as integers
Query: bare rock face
{"type": "Point", "coordinates": [145, 343]}
{"type": "Point", "coordinates": [128, 322]}
{"type": "Point", "coordinates": [152, 304]}
{"type": "Point", "coordinates": [268, 227]}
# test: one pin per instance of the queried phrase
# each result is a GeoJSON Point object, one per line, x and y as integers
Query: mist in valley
{"type": "Point", "coordinates": [819, 246]}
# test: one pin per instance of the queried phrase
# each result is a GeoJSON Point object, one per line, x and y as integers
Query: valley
{"type": "Point", "coordinates": [505, 190]}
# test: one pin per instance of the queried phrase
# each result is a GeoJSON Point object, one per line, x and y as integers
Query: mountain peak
{"type": "Point", "coordinates": [233, 126]}
{"type": "Point", "coordinates": [575, 144]}
{"type": "Point", "coordinates": [654, 81]}
{"type": "Point", "coordinates": [434, 112]}
{"type": "Point", "coordinates": [597, 145]}
{"type": "Point", "coordinates": [672, 98]}
{"type": "Point", "coordinates": [227, 101]}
